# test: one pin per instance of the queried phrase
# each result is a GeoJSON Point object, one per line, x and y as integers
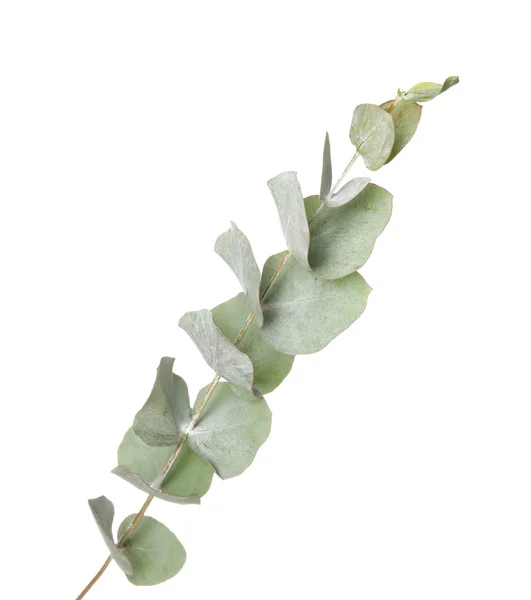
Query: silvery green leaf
{"type": "Point", "coordinates": [189, 476]}
{"type": "Point", "coordinates": [287, 193]}
{"type": "Point", "coordinates": [342, 238]}
{"type": "Point", "coordinates": [326, 176]}
{"type": "Point", "coordinates": [373, 133]}
{"type": "Point", "coordinates": [154, 551]}
{"type": "Point", "coordinates": [140, 484]}
{"type": "Point", "coordinates": [270, 366]}
{"type": "Point", "coordinates": [347, 193]}
{"type": "Point", "coordinates": [230, 430]}
{"type": "Point", "coordinates": [218, 351]}
{"type": "Point", "coordinates": [235, 249]}
{"type": "Point", "coordinates": [426, 91]}
{"type": "Point", "coordinates": [303, 313]}
{"type": "Point", "coordinates": [311, 204]}
{"type": "Point", "coordinates": [406, 118]}
{"type": "Point", "coordinates": [166, 414]}
{"type": "Point", "coordinates": [103, 511]}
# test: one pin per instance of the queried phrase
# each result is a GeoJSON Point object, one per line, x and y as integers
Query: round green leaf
{"type": "Point", "coordinates": [189, 476]}
{"type": "Point", "coordinates": [342, 238]}
{"type": "Point", "coordinates": [270, 366]}
{"type": "Point", "coordinates": [303, 313]}
{"type": "Point", "coordinates": [406, 118]}
{"type": "Point", "coordinates": [373, 133]}
{"type": "Point", "coordinates": [154, 551]}
{"type": "Point", "coordinates": [230, 430]}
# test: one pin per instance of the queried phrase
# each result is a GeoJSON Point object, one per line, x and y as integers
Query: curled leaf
{"type": "Point", "coordinates": [347, 193]}
{"type": "Point", "coordinates": [103, 511]}
{"type": "Point", "coordinates": [288, 197]}
{"type": "Point", "coordinates": [218, 351]}
{"type": "Point", "coordinates": [235, 249]}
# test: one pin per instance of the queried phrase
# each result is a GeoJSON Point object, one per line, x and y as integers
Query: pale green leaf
{"type": "Point", "coordinates": [347, 193]}
{"type": "Point", "coordinates": [426, 91]}
{"type": "Point", "coordinates": [326, 176]}
{"type": "Point", "coordinates": [303, 313]}
{"type": "Point", "coordinates": [343, 238]}
{"type": "Point", "coordinates": [288, 197]}
{"type": "Point", "coordinates": [166, 414]}
{"type": "Point", "coordinates": [218, 351]}
{"type": "Point", "coordinates": [103, 511]}
{"type": "Point", "coordinates": [189, 476]}
{"type": "Point", "coordinates": [235, 249]}
{"type": "Point", "coordinates": [406, 118]}
{"type": "Point", "coordinates": [154, 551]}
{"type": "Point", "coordinates": [135, 480]}
{"type": "Point", "coordinates": [230, 430]}
{"type": "Point", "coordinates": [270, 366]}
{"type": "Point", "coordinates": [373, 133]}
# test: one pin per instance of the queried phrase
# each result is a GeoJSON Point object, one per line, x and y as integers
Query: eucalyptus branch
{"type": "Point", "coordinates": [301, 301]}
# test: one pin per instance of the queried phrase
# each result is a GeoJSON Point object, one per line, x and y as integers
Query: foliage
{"type": "Point", "coordinates": [304, 297]}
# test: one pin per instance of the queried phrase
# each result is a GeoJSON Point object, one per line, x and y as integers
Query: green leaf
{"type": "Point", "coordinates": [326, 177]}
{"type": "Point", "coordinates": [154, 551]}
{"type": "Point", "coordinates": [230, 430]}
{"type": "Point", "coordinates": [235, 249]}
{"type": "Point", "coordinates": [373, 133]}
{"type": "Point", "coordinates": [347, 193]}
{"type": "Point", "coordinates": [311, 204]}
{"type": "Point", "coordinates": [103, 511]}
{"type": "Point", "coordinates": [270, 366]}
{"type": "Point", "coordinates": [406, 118]}
{"type": "Point", "coordinates": [426, 91]}
{"type": "Point", "coordinates": [189, 476]}
{"type": "Point", "coordinates": [137, 481]}
{"type": "Point", "coordinates": [218, 351]}
{"type": "Point", "coordinates": [287, 193]}
{"type": "Point", "coordinates": [165, 416]}
{"type": "Point", "coordinates": [304, 313]}
{"type": "Point", "coordinates": [342, 238]}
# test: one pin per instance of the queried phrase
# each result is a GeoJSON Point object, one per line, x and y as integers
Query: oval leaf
{"type": "Point", "coordinates": [406, 118]}
{"type": "Point", "coordinates": [235, 249]}
{"type": "Point", "coordinates": [154, 551]}
{"type": "Point", "coordinates": [347, 193]}
{"type": "Point", "coordinates": [189, 476]}
{"type": "Point", "coordinates": [304, 313]}
{"type": "Point", "coordinates": [326, 176]}
{"type": "Point", "coordinates": [137, 481]}
{"type": "Point", "coordinates": [373, 133]}
{"type": "Point", "coordinates": [342, 238]}
{"type": "Point", "coordinates": [218, 351]}
{"type": "Point", "coordinates": [426, 91]}
{"type": "Point", "coordinates": [103, 511]}
{"type": "Point", "coordinates": [287, 193]}
{"type": "Point", "coordinates": [230, 430]}
{"type": "Point", "coordinates": [166, 414]}
{"type": "Point", "coordinates": [269, 365]}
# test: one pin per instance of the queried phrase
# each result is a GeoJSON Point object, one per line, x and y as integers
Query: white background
{"type": "Point", "coordinates": [130, 134]}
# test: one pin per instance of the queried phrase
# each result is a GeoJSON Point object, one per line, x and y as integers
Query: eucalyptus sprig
{"type": "Point", "coordinates": [304, 297]}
